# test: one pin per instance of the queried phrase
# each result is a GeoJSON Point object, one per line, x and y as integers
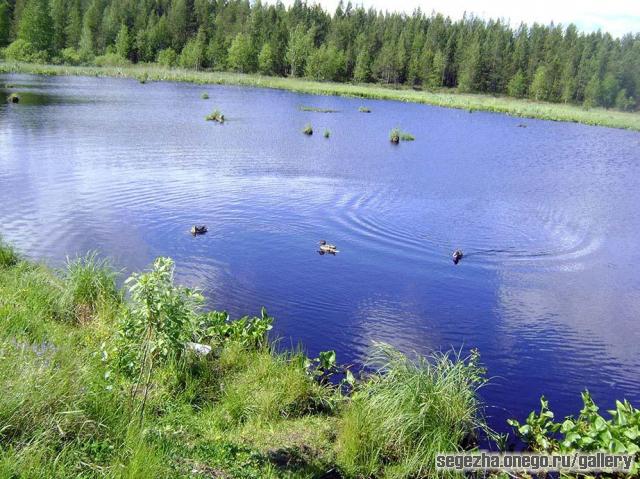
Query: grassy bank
{"type": "Point", "coordinates": [449, 99]}
{"type": "Point", "coordinates": [96, 382]}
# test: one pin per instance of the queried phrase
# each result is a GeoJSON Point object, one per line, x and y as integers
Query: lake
{"type": "Point", "coordinates": [547, 215]}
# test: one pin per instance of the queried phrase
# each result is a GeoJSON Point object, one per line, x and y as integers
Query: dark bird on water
{"type": "Point", "coordinates": [457, 256]}
{"type": "Point", "coordinates": [198, 230]}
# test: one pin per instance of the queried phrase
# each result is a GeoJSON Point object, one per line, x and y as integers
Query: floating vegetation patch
{"type": "Point", "coordinates": [364, 109]}
{"type": "Point", "coordinates": [216, 116]}
{"type": "Point", "coordinates": [397, 135]}
{"type": "Point", "coordinates": [308, 129]}
{"type": "Point", "coordinates": [205, 96]}
{"type": "Point", "coordinates": [327, 133]}
{"type": "Point", "coordinates": [317, 110]}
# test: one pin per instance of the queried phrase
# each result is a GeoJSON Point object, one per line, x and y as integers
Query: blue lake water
{"type": "Point", "coordinates": [547, 215]}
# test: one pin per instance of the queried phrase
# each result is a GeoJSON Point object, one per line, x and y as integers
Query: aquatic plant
{"type": "Point", "coordinates": [216, 116]}
{"type": "Point", "coordinates": [404, 136]}
{"type": "Point", "coordinates": [364, 109]}
{"type": "Point", "coordinates": [217, 327]}
{"type": "Point", "coordinates": [445, 98]}
{"type": "Point", "coordinates": [394, 136]}
{"type": "Point", "coordinates": [327, 133]}
{"type": "Point", "coordinates": [409, 411]}
{"type": "Point", "coordinates": [589, 431]}
{"type": "Point", "coordinates": [204, 96]}
{"type": "Point", "coordinates": [317, 110]}
{"type": "Point", "coordinates": [13, 98]}
{"type": "Point", "coordinates": [308, 129]}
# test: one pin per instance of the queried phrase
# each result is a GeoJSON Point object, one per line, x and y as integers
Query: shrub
{"type": "Point", "coordinates": [23, 51]}
{"type": "Point", "coordinates": [408, 412]}
{"type": "Point", "coordinates": [90, 284]}
{"type": "Point", "coordinates": [161, 319]}
{"type": "Point", "coordinates": [111, 59]}
{"type": "Point", "coordinates": [308, 129]}
{"type": "Point", "coordinates": [167, 57]}
{"type": "Point", "coordinates": [70, 56]}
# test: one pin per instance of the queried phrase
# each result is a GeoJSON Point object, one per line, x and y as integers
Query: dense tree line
{"type": "Point", "coordinates": [542, 62]}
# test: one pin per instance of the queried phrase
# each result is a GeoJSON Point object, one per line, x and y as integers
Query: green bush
{"type": "Point", "coordinates": [23, 51]}
{"type": "Point", "coordinates": [409, 411]}
{"type": "Point", "coordinates": [70, 56]}
{"type": "Point", "coordinates": [252, 332]}
{"type": "Point", "coordinates": [167, 57]}
{"type": "Point", "coordinates": [110, 59]}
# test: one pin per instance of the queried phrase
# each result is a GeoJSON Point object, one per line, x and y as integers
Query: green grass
{"type": "Point", "coordinates": [317, 110]}
{"type": "Point", "coordinates": [256, 411]}
{"type": "Point", "coordinates": [414, 408]}
{"type": "Point", "coordinates": [444, 98]}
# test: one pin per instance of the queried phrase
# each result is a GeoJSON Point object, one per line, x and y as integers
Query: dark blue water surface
{"type": "Point", "coordinates": [548, 216]}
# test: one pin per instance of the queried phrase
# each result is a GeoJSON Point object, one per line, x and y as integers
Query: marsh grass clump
{"type": "Point", "coordinates": [404, 136]}
{"type": "Point", "coordinates": [308, 129]}
{"type": "Point", "coordinates": [90, 285]}
{"type": "Point", "coordinates": [204, 96]}
{"type": "Point", "coordinates": [216, 116]}
{"type": "Point", "coordinates": [8, 255]}
{"type": "Point", "coordinates": [394, 136]}
{"type": "Point", "coordinates": [364, 109]}
{"type": "Point", "coordinates": [13, 98]}
{"type": "Point", "coordinates": [317, 110]}
{"type": "Point", "coordinates": [409, 411]}
{"type": "Point", "coordinates": [327, 133]}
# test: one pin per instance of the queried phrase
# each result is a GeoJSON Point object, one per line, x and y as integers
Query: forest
{"type": "Point", "coordinates": [554, 63]}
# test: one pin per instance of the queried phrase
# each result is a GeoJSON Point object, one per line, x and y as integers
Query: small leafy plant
{"type": "Point", "coordinates": [217, 327]}
{"type": "Point", "coordinates": [589, 432]}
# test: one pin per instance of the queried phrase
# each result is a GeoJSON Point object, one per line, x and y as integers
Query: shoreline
{"type": "Point", "coordinates": [447, 99]}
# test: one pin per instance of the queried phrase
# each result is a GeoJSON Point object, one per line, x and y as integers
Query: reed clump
{"type": "Point", "coordinates": [204, 96]}
{"type": "Point", "coordinates": [327, 133]}
{"type": "Point", "coordinates": [396, 135]}
{"type": "Point", "coordinates": [308, 129]}
{"type": "Point", "coordinates": [364, 109]}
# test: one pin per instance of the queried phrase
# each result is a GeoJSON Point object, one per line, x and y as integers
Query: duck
{"type": "Point", "coordinates": [327, 248]}
{"type": "Point", "coordinates": [198, 230]}
{"type": "Point", "coordinates": [457, 256]}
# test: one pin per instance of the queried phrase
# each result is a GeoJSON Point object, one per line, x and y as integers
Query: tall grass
{"type": "Point", "coordinates": [8, 255]}
{"type": "Point", "coordinates": [408, 412]}
{"type": "Point", "coordinates": [445, 97]}
{"type": "Point", "coordinates": [90, 284]}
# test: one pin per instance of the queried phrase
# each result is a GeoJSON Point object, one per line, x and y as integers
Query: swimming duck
{"type": "Point", "coordinates": [457, 256]}
{"type": "Point", "coordinates": [327, 248]}
{"type": "Point", "coordinates": [198, 230]}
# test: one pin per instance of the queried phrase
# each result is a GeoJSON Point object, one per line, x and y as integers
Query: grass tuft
{"type": "Point", "coordinates": [90, 285]}
{"type": "Point", "coordinates": [204, 96]}
{"type": "Point", "coordinates": [408, 412]}
{"type": "Point", "coordinates": [327, 133]}
{"type": "Point", "coordinates": [317, 110]}
{"type": "Point", "coordinates": [8, 255]}
{"type": "Point", "coordinates": [364, 109]}
{"type": "Point", "coordinates": [308, 129]}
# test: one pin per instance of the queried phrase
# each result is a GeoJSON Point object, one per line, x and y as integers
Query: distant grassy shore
{"type": "Point", "coordinates": [446, 98]}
